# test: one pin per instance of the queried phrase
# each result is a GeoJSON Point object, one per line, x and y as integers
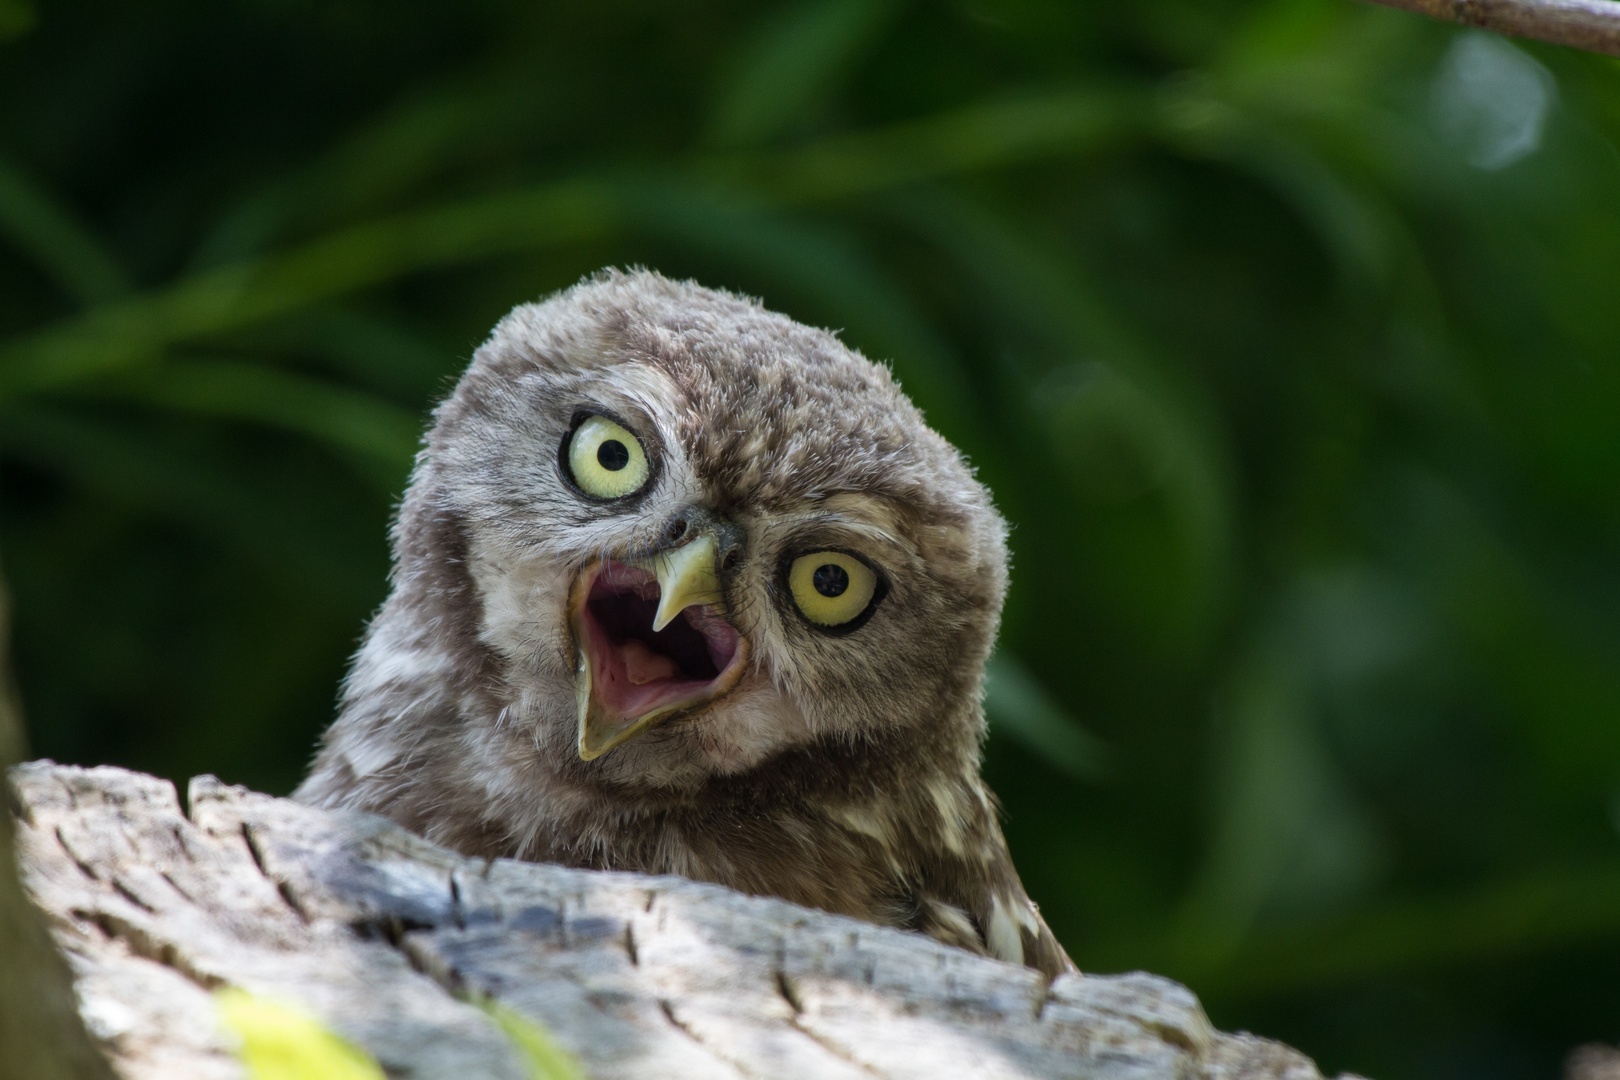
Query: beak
{"type": "Point", "coordinates": [650, 643]}
{"type": "Point", "coordinates": [685, 577]}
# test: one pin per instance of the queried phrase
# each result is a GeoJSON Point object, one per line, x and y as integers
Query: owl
{"type": "Point", "coordinates": [682, 586]}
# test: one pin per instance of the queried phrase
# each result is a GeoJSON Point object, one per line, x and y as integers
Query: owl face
{"type": "Point", "coordinates": [701, 533]}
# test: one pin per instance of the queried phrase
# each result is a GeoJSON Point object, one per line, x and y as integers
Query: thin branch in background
{"type": "Point", "coordinates": [1593, 25]}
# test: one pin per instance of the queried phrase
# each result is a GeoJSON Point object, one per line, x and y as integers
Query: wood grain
{"type": "Point", "coordinates": [384, 936]}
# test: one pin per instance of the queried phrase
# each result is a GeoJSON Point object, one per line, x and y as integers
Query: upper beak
{"type": "Point", "coordinates": [685, 577]}
{"type": "Point", "coordinates": [611, 710]}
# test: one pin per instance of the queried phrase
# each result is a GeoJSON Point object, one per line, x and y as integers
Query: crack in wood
{"type": "Point", "coordinates": [668, 1009]}
{"type": "Point", "coordinates": [175, 885]}
{"type": "Point", "coordinates": [457, 915]}
{"type": "Point", "coordinates": [283, 889]}
{"type": "Point", "coordinates": [128, 894]}
{"type": "Point", "coordinates": [1173, 1035]}
{"type": "Point", "coordinates": [789, 992]}
{"type": "Point", "coordinates": [834, 1049]}
{"type": "Point", "coordinates": [183, 841]}
{"type": "Point", "coordinates": [147, 947]}
{"type": "Point", "coordinates": [85, 868]}
{"type": "Point", "coordinates": [1043, 997]}
{"type": "Point", "coordinates": [445, 975]}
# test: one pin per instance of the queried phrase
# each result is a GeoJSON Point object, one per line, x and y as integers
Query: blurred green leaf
{"type": "Point", "coordinates": [380, 438]}
{"type": "Point", "coordinates": [1547, 910]}
{"type": "Point", "coordinates": [221, 299]}
{"type": "Point", "coordinates": [48, 232]}
{"type": "Point", "coordinates": [389, 158]}
{"type": "Point", "coordinates": [790, 61]}
{"type": "Point", "coordinates": [546, 1060]}
{"type": "Point", "coordinates": [1286, 832]}
{"type": "Point", "coordinates": [384, 355]}
{"type": "Point", "coordinates": [126, 465]}
{"type": "Point", "coordinates": [137, 330]}
{"type": "Point", "coordinates": [1016, 703]}
{"type": "Point", "coordinates": [1011, 130]}
{"type": "Point", "coordinates": [279, 1042]}
{"type": "Point", "coordinates": [1165, 418]}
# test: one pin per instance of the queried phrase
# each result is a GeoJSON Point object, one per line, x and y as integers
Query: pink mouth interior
{"type": "Point", "coordinates": [633, 669]}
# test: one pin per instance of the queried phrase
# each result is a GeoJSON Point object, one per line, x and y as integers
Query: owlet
{"type": "Point", "coordinates": [682, 586]}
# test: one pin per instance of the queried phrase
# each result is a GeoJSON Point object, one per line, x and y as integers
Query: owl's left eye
{"type": "Point", "coordinates": [832, 589]}
{"type": "Point", "coordinates": [605, 460]}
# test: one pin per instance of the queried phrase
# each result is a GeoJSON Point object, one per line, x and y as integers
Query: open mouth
{"type": "Point", "coordinates": [630, 676]}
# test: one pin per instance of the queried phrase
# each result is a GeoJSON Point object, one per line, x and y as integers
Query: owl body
{"type": "Point", "coordinates": [683, 586]}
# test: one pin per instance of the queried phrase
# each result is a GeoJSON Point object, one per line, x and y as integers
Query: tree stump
{"type": "Point", "coordinates": [389, 939]}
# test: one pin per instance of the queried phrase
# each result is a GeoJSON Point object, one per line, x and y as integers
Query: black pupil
{"type": "Point", "coordinates": [830, 580]}
{"type": "Point", "coordinates": [613, 455]}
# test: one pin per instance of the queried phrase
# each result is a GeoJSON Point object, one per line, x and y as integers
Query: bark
{"type": "Point", "coordinates": [385, 937]}
{"type": "Point", "coordinates": [1592, 25]}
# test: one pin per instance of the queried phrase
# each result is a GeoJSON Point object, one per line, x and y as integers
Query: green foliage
{"type": "Point", "coordinates": [279, 1042]}
{"type": "Point", "coordinates": [1284, 330]}
{"type": "Point", "coordinates": [283, 1042]}
{"type": "Point", "coordinates": [546, 1060]}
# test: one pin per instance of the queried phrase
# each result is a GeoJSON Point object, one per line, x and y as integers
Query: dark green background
{"type": "Point", "coordinates": [1287, 334]}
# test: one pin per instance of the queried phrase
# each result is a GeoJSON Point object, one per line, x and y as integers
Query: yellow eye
{"type": "Point", "coordinates": [605, 460]}
{"type": "Point", "coordinates": [831, 588]}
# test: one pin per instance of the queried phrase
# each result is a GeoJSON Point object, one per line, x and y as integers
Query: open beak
{"type": "Point", "coordinates": [649, 642]}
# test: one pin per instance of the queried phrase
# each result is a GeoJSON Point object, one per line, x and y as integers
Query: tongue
{"type": "Point", "coordinates": [642, 665]}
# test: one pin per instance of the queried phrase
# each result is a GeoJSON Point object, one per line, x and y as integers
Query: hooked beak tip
{"type": "Point", "coordinates": [686, 576]}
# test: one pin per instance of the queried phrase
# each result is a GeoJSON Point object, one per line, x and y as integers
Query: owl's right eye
{"type": "Point", "coordinates": [604, 460]}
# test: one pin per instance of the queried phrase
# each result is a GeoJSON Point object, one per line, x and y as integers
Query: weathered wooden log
{"type": "Point", "coordinates": [387, 938]}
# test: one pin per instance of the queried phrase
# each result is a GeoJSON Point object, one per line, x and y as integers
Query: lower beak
{"type": "Point", "coordinates": [623, 683]}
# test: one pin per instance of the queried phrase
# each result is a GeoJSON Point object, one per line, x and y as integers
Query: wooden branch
{"type": "Point", "coordinates": [1593, 25]}
{"type": "Point", "coordinates": [384, 937]}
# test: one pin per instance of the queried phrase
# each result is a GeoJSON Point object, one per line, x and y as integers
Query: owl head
{"type": "Point", "coordinates": [658, 533]}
